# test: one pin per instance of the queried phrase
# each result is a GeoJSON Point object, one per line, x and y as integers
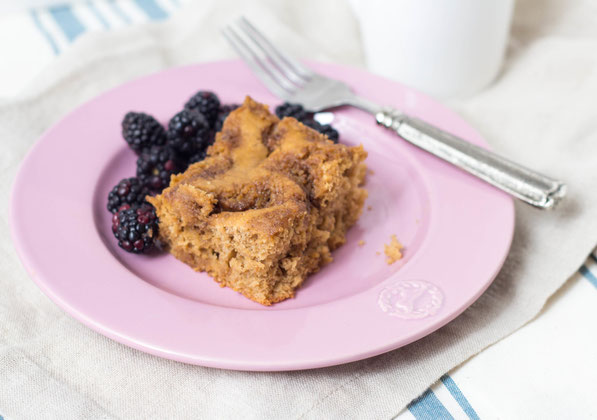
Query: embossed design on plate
{"type": "Point", "coordinates": [411, 299]}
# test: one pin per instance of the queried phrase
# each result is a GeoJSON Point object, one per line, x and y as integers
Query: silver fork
{"type": "Point", "coordinates": [288, 79]}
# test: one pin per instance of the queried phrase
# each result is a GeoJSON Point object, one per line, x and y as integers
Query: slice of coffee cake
{"type": "Point", "coordinates": [266, 207]}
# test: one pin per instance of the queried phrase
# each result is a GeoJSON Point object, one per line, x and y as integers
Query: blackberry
{"type": "Point", "coordinates": [154, 167]}
{"type": "Point", "coordinates": [198, 157]}
{"type": "Point", "coordinates": [136, 228]}
{"type": "Point", "coordinates": [292, 110]}
{"type": "Point", "coordinates": [207, 103]}
{"type": "Point", "coordinates": [326, 129]}
{"type": "Point", "coordinates": [225, 110]}
{"type": "Point", "coordinates": [288, 109]}
{"type": "Point", "coordinates": [142, 131]}
{"type": "Point", "coordinates": [188, 132]}
{"type": "Point", "coordinates": [128, 191]}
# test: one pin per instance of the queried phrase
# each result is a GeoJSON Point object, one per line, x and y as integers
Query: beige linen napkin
{"type": "Point", "coordinates": [540, 111]}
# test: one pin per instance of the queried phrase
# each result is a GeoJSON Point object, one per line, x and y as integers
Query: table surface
{"type": "Point", "coordinates": [543, 370]}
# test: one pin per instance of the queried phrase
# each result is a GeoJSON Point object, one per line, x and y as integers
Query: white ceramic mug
{"type": "Point", "coordinates": [446, 48]}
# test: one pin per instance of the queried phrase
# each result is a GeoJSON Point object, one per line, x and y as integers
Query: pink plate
{"type": "Point", "coordinates": [456, 231]}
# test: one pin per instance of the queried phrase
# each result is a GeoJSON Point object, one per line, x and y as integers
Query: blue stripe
{"type": "Point", "coordinates": [428, 407]}
{"type": "Point", "coordinates": [151, 9]}
{"type": "Point", "coordinates": [459, 397]}
{"type": "Point", "coordinates": [588, 275]}
{"type": "Point", "coordinates": [68, 22]}
{"type": "Point", "coordinates": [175, 2]}
{"type": "Point", "coordinates": [45, 34]}
{"type": "Point", "coordinates": [98, 14]}
{"type": "Point", "coordinates": [118, 11]}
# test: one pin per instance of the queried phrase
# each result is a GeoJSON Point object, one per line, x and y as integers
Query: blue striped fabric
{"type": "Point", "coordinates": [151, 9]}
{"type": "Point", "coordinates": [118, 11]}
{"type": "Point", "coordinates": [68, 22]}
{"type": "Point", "coordinates": [459, 397]}
{"type": "Point", "coordinates": [587, 274]}
{"type": "Point", "coordinates": [98, 15]}
{"type": "Point", "coordinates": [428, 407]}
{"type": "Point", "coordinates": [64, 18]}
{"type": "Point", "coordinates": [44, 32]}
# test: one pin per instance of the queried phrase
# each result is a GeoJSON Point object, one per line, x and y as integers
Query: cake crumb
{"type": "Point", "coordinates": [377, 253]}
{"type": "Point", "coordinates": [369, 208]}
{"type": "Point", "coordinates": [393, 250]}
{"type": "Point", "coordinates": [370, 171]}
{"type": "Point", "coordinates": [361, 243]}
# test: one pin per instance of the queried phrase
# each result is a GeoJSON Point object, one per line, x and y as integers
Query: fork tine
{"type": "Point", "coordinates": [276, 74]}
{"type": "Point", "coordinates": [272, 53]}
{"type": "Point", "coordinates": [253, 61]}
{"type": "Point", "coordinates": [282, 60]}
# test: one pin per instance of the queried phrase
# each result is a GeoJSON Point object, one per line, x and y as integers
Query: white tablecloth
{"type": "Point", "coordinates": [543, 370]}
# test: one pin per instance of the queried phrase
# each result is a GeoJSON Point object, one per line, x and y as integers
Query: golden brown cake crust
{"type": "Point", "coordinates": [266, 207]}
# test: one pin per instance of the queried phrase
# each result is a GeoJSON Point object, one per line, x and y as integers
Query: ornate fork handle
{"type": "Point", "coordinates": [524, 183]}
